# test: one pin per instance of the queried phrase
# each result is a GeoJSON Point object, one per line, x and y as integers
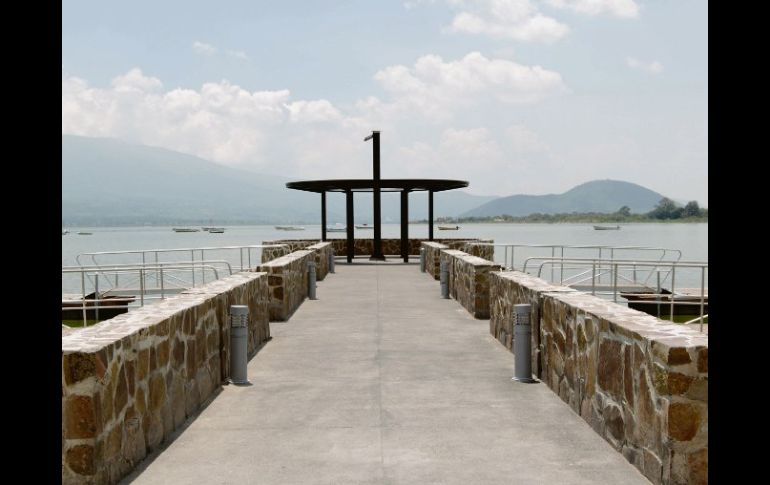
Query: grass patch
{"type": "Point", "coordinates": [78, 322]}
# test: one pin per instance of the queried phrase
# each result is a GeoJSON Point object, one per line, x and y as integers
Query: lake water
{"type": "Point", "coordinates": [690, 239]}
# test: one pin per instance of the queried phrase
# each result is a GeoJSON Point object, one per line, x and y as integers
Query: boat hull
{"type": "Point", "coordinates": [683, 304]}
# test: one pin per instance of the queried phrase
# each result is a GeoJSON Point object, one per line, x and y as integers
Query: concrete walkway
{"type": "Point", "coordinates": [382, 381]}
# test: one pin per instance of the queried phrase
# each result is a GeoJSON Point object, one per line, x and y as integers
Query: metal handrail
{"type": "Point", "coordinates": [615, 264]}
{"type": "Point", "coordinates": [153, 255]}
{"type": "Point", "coordinates": [664, 252]}
{"type": "Point", "coordinates": [192, 251]}
{"type": "Point", "coordinates": [160, 270]}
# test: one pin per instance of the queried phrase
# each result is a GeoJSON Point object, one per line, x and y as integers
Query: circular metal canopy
{"type": "Point", "coordinates": [386, 185]}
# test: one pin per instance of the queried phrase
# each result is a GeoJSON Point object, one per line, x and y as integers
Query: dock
{"type": "Point", "coordinates": [381, 381]}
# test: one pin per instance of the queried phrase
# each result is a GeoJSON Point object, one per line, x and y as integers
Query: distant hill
{"type": "Point", "coordinates": [605, 196]}
{"type": "Point", "coordinates": [109, 182]}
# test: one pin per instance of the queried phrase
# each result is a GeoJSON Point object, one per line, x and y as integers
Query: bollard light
{"type": "Point", "coordinates": [311, 280]}
{"type": "Point", "coordinates": [422, 260]}
{"type": "Point", "coordinates": [331, 260]}
{"type": "Point", "coordinates": [444, 279]}
{"type": "Point", "coordinates": [239, 343]}
{"type": "Point", "coordinates": [522, 343]}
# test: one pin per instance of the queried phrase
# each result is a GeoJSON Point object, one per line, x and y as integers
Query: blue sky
{"type": "Point", "coordinates": [516, 96]}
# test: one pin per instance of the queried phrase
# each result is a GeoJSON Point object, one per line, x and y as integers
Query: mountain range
{"type": "Point", "coordinates": [110, 182]}
{"type": "Point", "coordinates": [596, 196]}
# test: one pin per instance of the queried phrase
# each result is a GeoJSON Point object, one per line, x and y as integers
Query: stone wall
{"type": "Point", "coordinates": [508, 288]}
{"type": "Point", "coordinates": [269, 254]}
{"type": "Point", "coordinates": [433, 258]}
{"type": "Point", "coordinates": [287, 282]}
{"type": "Point", "coordinates": [230, 291]}
{"type": "Point", "coordinates": [485, 251]}
{"type": "Point", "coordinates": [469, 280]}
{"type": "Point", "coordinates": [640, 382]}
{"type": "Point", "coordinates": [128, 382]}
{"type": "Point", "coordinates": [322, 251]}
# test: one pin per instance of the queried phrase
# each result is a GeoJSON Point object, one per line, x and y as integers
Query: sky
{"type": "Point", "coordinates": [514, 96]}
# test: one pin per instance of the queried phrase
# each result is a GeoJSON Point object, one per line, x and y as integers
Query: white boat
{"type": "Point", "coordinates": [364, 226]}
{"type": "Point", "coordinates": [290, 228]}
{"type": "Point", "coordinates": [64, 232]}
{"type": "Point", "coordinates": [336, 228]}
{"type": "Point", "coordinates": [606, 228]}
{"type": "Point", "coordinates": [448, 228]}
{"type": "Point", "coordinates": [216, 230]}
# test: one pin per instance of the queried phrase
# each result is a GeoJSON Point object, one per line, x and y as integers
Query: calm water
{"type": "Point", "coordinates": [691, 239]}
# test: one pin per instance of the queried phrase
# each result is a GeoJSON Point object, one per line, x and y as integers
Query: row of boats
{"type": "Point", "coordinates": [341, 228]}
{"type": "Point", "coordinates": [212, 230]}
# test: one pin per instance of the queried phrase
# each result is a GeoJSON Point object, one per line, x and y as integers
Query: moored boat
{"type": "Point", "coordinates": [606, 228]}
{"type": "Point", "coordinates": [290, 228]}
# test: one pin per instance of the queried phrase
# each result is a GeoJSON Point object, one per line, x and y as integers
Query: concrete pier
{"type": "Point", "coordinates": [380, 380]}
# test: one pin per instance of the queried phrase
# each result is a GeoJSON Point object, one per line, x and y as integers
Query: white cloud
{"type": "Point", "coordinates": [508, 19]}
{"type": "Point", "coordinates": [134, 80]}
{"type": "Point", "coordinates": [518, 20]}
{"type": "Point", "coordinates": [453, 153]}
{"type": "Point", "coordinates": [435, 88]}
{"type": "Point", "coordinates": [273, 132]}
{"type": "Point", "coordinates": [617, 8]}
{"type": "Point", "coordinates": [237, 54]}
{"type": "Point", "coordinates": [313, 111]}
{"type": "Point", "coordinates": [524, 140]}
{"type": "Point", "coordinates": [504, 163]}
{"type": "Point", "coordinates": [220, 121]}
{"type": "Point", "coordinates": [653, 67]}
{"type": "Point", "coordinates": [204, 49]}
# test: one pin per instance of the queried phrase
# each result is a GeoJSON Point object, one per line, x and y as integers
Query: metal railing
{"type": "Point", "coordinates": [141, 274]}
{"type": "Point", "coordinates": [636, 291]}
{"type": "Point", "coordinates": [602, 252]}
{"type": "Point", "coordinates": [244, 253]}
{"type": "Point", "coordinates": [164, 275]}
{"type": "Point", "coordinates": [194, 256]}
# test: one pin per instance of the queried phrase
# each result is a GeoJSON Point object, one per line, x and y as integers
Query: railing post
{"type": "Point", "coordinates": [239, 343]}
{"type": "Point", "coordinates": [96, 297]}
{"type": "Point", "coordinates": [203, 270]}
{"type": "Point", "coordinates": [522, 343]}
{"type": "Point", "coordinates": [192, 259]}
{"type": "Point", "coordinates": [141, 287]}
{"type": "Point", "coordinates": [422, 260]}
{"type": "Point", "coordinates": [83, 296]}
{"type": "Point", "coordinates": [673, 290]}
{"type": "Point", "coordinates": [311, 280]}
{"type": "Point", "coordinates": [444, 276]}
{"type": "Point", "coordinates": [702, 291]}
{"type": "Point", "coordinates": [331, 259]}
{"type": "Point", "coordinates": [162, 288]}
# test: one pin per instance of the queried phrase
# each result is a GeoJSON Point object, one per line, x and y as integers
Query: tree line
{"type": "Point", "coordinates": [665, 210]}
